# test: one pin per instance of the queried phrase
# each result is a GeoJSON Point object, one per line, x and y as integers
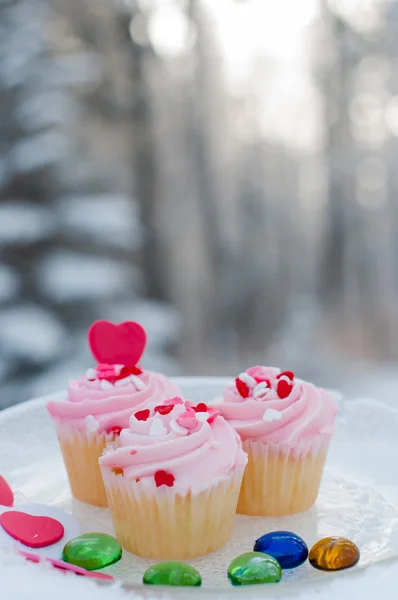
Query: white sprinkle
{"type": "Point", "coordinates": [91, 424]}
{"type": "Point", "coordinates": [260, 394]}
{"type": "Point", "coordinates": [272, 415]}
{"type": "Point", "coordinates": [133, 421]}
{"type": "Point", "coordinates": [91, 375]}
{"type": "Point", "coordinates": [285, 378]}
{"type": "Point", "coordinates": [157, 427]}
{"type": "Point", "coordinates": [263, 385]}
{"type": "Point", "coordinates": [202, 416]}
{"type": "Point", "coordinates": [247, 379]}
{"type": "Point", "coordinates": [139, 384]}
{"type": "Point", "coordinates": [177, 428]}
{"type": "Point", "coordinates": [106, 385]}
{"type": "Point", "coordinates": [122, 382]}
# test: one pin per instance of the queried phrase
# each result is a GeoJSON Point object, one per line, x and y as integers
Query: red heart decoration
{"type": "Point", "coordinates": [6, 495]}
{"type": "Point", "coordinates": [164, 478]}
{"type": "Point", "coordinates": [142, 415]}
{"type": "Point", "coordinates": [242, 387]}
{"type": "Point", "coordinates": [283, 389]}
{"type": "Point", "coordinates": [35, 532]}
{"type": "Point", "coordinates": [113, 344]}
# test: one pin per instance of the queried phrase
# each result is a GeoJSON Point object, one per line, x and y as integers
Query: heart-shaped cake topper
{"type": "Point", "coordinates": [113, 344]}
{"type": "Point", "coordinates": [31, 531]}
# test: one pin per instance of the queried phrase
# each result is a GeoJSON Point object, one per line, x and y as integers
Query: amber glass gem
{"type": "Point", "coordinates": [334, 554]}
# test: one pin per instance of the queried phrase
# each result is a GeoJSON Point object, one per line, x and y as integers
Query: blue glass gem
{"type": "Point", "coordinates": [289, 549]}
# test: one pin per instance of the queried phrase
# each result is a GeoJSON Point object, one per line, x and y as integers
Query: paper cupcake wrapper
{"type": "Point", "coordinates": [278, 482]}
{"type": "Point", "coordinates": [81, 452]}
{"type": "Point", "coordinates": [160, 524]}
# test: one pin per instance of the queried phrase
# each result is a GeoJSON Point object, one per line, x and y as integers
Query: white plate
{"type": "Point", "coordinates": [358, 497]}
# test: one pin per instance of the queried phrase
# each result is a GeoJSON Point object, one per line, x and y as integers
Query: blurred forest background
{"type": "Point", "coordinates": [223, 171]}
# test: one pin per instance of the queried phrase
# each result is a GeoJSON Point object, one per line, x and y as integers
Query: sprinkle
{"type": "Point", "coordinates": [164, 409]}
{"type": "Point", "coordinates": [139, 384]}
{"type": "Point", "coordinates": [272, 415]}
{"type": "Point", "coordinates": [213, 414]}
{"type": "Point", "coordinates": [202, 416]}
{"type": "Point", "coordinates": [247, 379]}
{"type": "Point", "coordinates": [164, 478]}
{"type": "Point", "coordinates": [178, 429]}
{"type": "Point", "coordinates": [174, 401]}
{"type": "Point", "coordinates": [114, 430]}
{"type": "Point", "coordinates": [106, 385]}
{"type": "Point", "coordinates": [122, 382]}
{"type": "Point", "coordinates": [286, 375]}
{"type": "Point", "coordinates": [284, 388]}
{"type": "Point", "coordinates": [91, 375]}
{"type": "Point", "coordinates": [188, 419]}
{"type": "Point", "coordinates": [201, 407]}
{"type": "Point", "coordinates": [157, 427]}
{"type": "Point", "coordinates": [261, 390]}
{"type": "Point", "coordinates": [142, 415]}
{"type": "Point", "coordinates": [91, 424]}
{"type": "Point", "coordinates": [242, 388]}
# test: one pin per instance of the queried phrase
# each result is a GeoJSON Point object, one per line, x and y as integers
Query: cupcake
{"type": "Point", "coordinates": [99, 404]}
{"type": "Point", "coordinates": [285, 425]}
{"type": "Point", "coordinates": [173, 483]}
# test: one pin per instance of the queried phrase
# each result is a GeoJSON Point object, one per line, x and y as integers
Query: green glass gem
{"type": "Point", "coordinates": [254, 567]}
{"type": "Point", "coordinates": [92, 551]}
{"type": "Point", "coordinates": [172, 573]}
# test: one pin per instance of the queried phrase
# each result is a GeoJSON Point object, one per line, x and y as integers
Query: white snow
{"type": "Point", "coordinates": [30, 332]}
{"type": "Point", "coordinates": [109, 218]}
{"type": "Point", "coordinates": [23, 223]}
{"type": "Point", "coordinates": [9, 283]}
{"type": "Point", "coordinates": [67, 276]}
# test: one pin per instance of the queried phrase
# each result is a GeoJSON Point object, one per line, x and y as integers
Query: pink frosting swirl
{"type": "Point", "coordinates": [273, 407]}
{"type": "Point", "coordinates": [196, 449]}
{"type": "Point", "coordinates": [95, 404]}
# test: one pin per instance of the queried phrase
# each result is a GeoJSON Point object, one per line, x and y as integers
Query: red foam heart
{"type": "Point", "coordinates": [113, 344]}
{"type": "Point", "coordinates": [32, 531]}
{"type": "Point", "coordinates": [6, 495]}
{"type": "Point", "coordinates": [164, 478]}
{"type": "Point", "coordinates": [242, 387]}
{"type": "Point", "coordinates": [283, 389]}
{"type": "Point", "coordinates": [142, 415]}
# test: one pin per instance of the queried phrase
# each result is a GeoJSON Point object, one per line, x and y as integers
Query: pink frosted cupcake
{"type": "Point", "coordinates": [173, 483]}
{"type": "Point", "coordinates": [285, 425]}
{"type": "Point", "coordinates": [99, 404]}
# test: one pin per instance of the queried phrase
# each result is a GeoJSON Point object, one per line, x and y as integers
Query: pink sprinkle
{"type": "Point", "coordinates": [105, 371]}
{"type": "Point", "coordinates": [174, 401]}
{"type": "Point", "coordinates": [213, 414]}
{"type": "Point", "coordinates": [132, 452]}
{"type": "Point", "coordinates": [188, 419]}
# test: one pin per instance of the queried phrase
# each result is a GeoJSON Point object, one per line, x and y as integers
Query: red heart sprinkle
{"type": "Point", "coordinates": [115, 430]}
{"type": "Point", "coordinates": [142, 415]}
{"type": "Point", "coordinates": [164, 478]}
{"type": "Point", "coordinates": [32, 531]}
{"type": "Point", "coordinates": [283, 389]}
{"type": "Point", "coordinates": [288, 374]}
{"type": "Point", "coordinates": [201, 407]}
{"type": "Point", "coordinates": [242, 387]}
{"type": "Point", "coordinates": [113, 344]}
{"type": "Point", "coordinates": [213, 414]}
{"type": "Point", "coordinates": [164, 410]}
{"type": "Point", "coordinates": [126, 371]}
{"type": "Point", "coordinates": [6, 495]}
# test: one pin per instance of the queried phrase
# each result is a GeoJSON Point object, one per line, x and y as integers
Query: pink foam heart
{"type": "Point", "coordinates": [6, 495]}
{"type": "Point", "coordinates": [31, 531]}
{"type": "Point", "coordinates": [113, 344]}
